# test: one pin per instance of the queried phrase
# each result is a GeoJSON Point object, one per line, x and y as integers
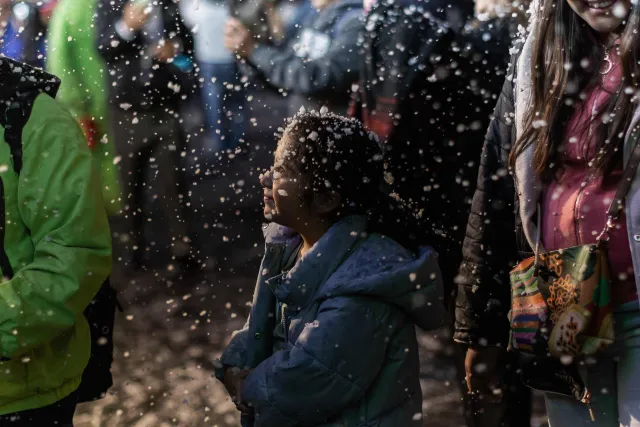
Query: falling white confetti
{"type": "Point", "coordinates": [620, 10]}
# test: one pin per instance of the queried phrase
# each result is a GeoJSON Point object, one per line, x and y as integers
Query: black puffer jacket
{"type": "Point", "coordinates": [428, 91]}
{"type": "Point", "coordinates": [494, 241]}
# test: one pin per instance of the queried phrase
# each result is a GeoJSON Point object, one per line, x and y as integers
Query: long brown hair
{"type": "Point", "coordinates": [565, 62]}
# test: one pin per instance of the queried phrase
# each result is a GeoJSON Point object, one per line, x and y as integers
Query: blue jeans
{"type": "Point", "coordinates": [614, 381]}
{"type": "Point", "coordinates": [223, 100]}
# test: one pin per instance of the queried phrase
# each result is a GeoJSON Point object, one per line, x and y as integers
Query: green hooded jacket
{"type": "Point", "coordinates": [56, 241]}
{"type": "Point", "coordinates": [72, 55]}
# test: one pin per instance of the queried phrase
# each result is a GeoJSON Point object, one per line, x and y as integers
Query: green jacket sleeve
{"type": "Point", "coordinates": [61, 60]}
{"type": "Point", "coordinates": [60, 203]}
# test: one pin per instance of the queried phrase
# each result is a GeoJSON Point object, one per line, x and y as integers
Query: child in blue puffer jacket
{"type": "Point", "coordinates": [331, 340]}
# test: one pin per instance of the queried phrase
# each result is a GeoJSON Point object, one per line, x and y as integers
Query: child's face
{"type": "Point", "coordinates": [283, 190]}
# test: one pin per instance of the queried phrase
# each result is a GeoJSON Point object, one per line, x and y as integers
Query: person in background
{"type": "Point", "coordinates": [223, 92]}
{"type": "Point", "coordinates": [72, 56]}
{"type": "Point", "coordinates": [416, 70]}
{"type": "Point", "coordinates": [567, 132]}
{"type": "Point", "coordinates": [333, 286]}
{"type": "Point", "coordinates": [55, 251]}
{"type": "Point", "coordinates": [318, 66]}
{"type": "Point", "coordinates": [141, 42]}
{"type": "Point", "coordinates": [23, 28]}
{"type": "Point", "coordinates": [293, 15]}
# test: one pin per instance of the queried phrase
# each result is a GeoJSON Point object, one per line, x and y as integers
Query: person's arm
{"type": "Point", "coordinates": [61, 61]}
{"type": "Point", "coordinates": [324, 372]}
{"type": "Point", "coordinates": [490, 248]}
{"type": "Point", "coordinates": [177, 32]}
{"type": "Point", "coordinates": [276, 29]}
{"type": "Point", "coordinates": [60, 202]}
{"type": "Point", "coordinates": [335, 71]}
{"type": "Point", "coordinates": [118, 23]}
{"type": "Point", "coordinates": [234, 354]}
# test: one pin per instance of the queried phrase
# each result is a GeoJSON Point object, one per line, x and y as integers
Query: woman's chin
{"type": "Point", "coordinates": [604, 16]}
{"type": "Point", "coordinates": [605, 24]}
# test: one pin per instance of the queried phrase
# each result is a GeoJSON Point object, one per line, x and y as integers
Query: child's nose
{"type": "Point", "coordinates": [266, 179]}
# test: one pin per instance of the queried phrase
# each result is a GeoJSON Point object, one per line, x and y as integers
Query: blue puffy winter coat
{"type": "Point", "coordinates": [350, 356]}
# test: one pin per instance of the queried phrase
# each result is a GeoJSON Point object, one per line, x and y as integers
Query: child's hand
{"type": "Point", "coordinates": [233, 379]}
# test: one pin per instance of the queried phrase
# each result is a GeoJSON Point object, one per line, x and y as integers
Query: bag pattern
{"type": "Point", "coordinates": [562, 304]}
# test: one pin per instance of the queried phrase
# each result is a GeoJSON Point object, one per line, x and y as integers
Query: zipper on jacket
{"type": "Point", "coordinates": [285, 329]}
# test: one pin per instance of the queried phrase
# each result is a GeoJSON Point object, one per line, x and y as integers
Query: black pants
{"type": "Point", "coordinates": [147, 140]}
{"type": "Point", "coordinates": [60, 414]}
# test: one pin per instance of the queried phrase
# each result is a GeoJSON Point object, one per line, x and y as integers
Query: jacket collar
{"type": "Point", "coordinates": [299, 285]}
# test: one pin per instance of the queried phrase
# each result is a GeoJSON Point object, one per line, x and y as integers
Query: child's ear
{"type": "Point", "coordinates": [326, 203]}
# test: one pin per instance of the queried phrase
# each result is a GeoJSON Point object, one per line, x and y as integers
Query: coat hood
{"type": "Point", "coordinates": [349, 262]}
{"type": "Point", "coordinates": [382, 269]}
{"type": "Point", "coordinates": [18, 79]}
{"type": "Point", "coordinates": [20, 85]}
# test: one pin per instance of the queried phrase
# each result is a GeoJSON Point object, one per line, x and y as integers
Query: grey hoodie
{"type": "Point", "coordinates": [351, 354]}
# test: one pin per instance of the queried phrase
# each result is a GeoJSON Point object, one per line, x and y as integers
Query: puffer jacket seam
{"type": "Point", "coordinates": [290, 421]}
{"type": "Point", "coordinates": [378, 317]}
{"type": "Point", "coordinates": [332, 371]}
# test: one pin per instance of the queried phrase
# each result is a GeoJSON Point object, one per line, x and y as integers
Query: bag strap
{"type": "Point", "coordinates": [618, 202]}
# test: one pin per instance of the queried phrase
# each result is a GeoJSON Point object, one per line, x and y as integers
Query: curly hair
{"type": "Point", "coordinates": [337, 154]}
